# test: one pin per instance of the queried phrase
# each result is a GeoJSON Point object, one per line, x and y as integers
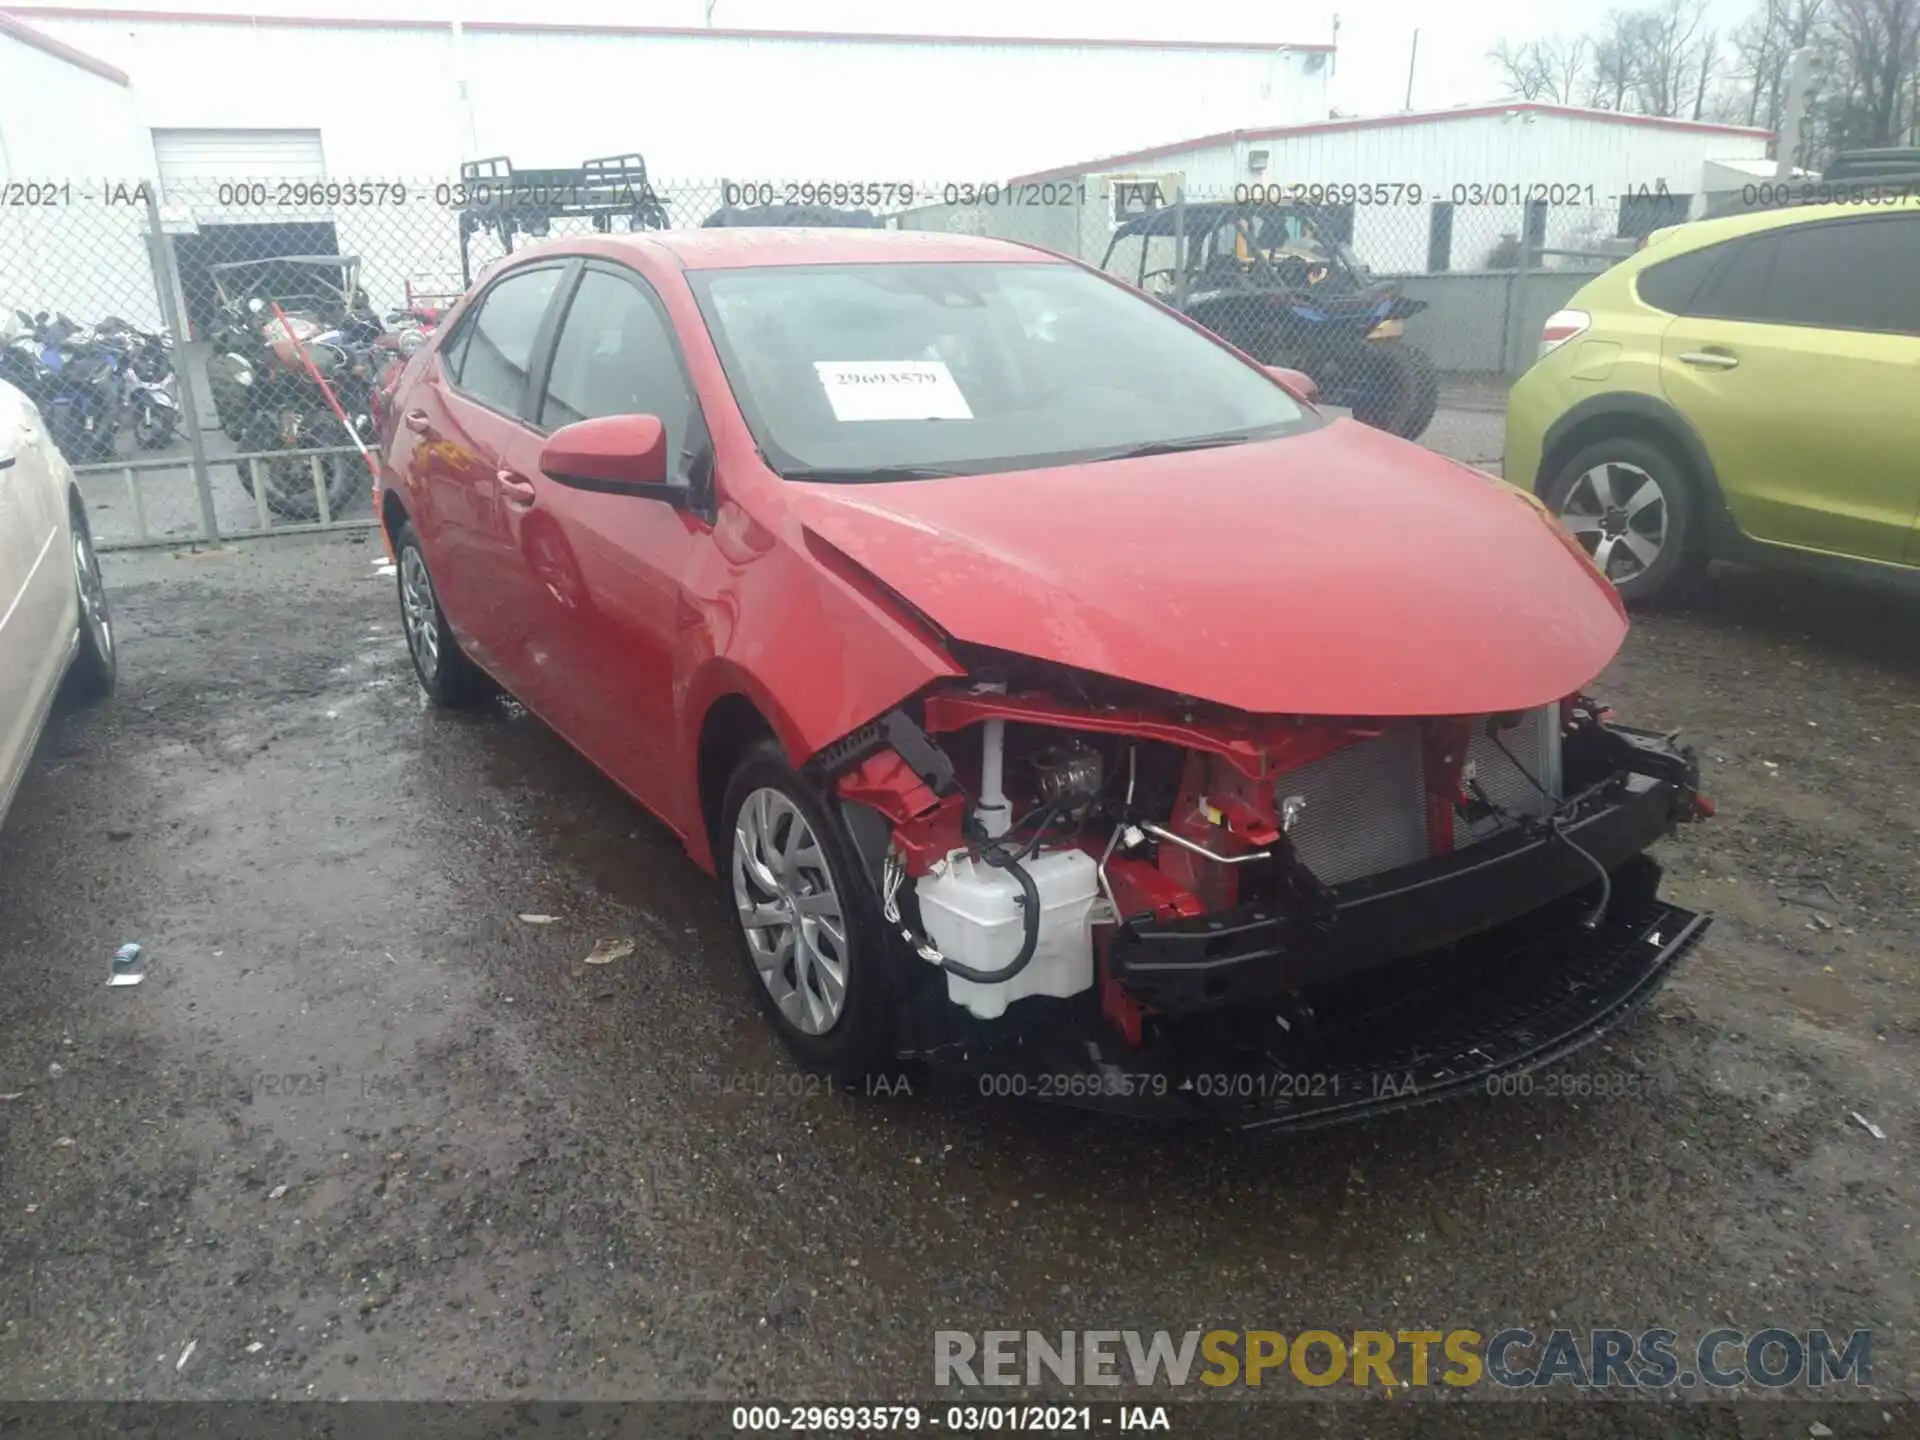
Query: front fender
{"type": "Point", "coordinates": [816, 645]}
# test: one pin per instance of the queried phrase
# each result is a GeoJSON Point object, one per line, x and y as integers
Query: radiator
{"type": "Point", "coordinates": [1366, 804]}
{"type": "Point", "coordinates": [1534, 744]}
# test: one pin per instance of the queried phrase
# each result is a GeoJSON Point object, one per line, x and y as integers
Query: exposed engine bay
{"type": "Point", "coordinates": [1281, 915]}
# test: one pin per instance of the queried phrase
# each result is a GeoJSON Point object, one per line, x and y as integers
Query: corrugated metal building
{"type": "Point", "coordinates": [1439, 201]}
{"type": "Point", "coordinates": [1440, 191]}
{"type": "Point", "coordinates": [67, 119]}
{"type": "Point", "coordinates": [412, 98]}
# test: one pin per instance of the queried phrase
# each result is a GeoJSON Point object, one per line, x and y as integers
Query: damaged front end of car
{"type": "Point", "coordinates": [1117, 897]}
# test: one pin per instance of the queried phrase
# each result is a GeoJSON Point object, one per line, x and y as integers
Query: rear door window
{"type": "Point", "coordinates": [1851, 274]}
{"type": "Point", "coordinates": [1854, 274]}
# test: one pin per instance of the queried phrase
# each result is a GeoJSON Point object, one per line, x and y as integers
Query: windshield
{"type": "Point", "coordinates": [867, 371]}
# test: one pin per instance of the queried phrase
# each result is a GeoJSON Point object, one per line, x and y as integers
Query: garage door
{"type": "Point", "coordinates": [197, 156]}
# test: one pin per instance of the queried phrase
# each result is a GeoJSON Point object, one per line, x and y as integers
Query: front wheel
{"type": "Point", "coordinates": [152, 425]}
{"type": "Point", "coordinates": [1631, 504]}
{"type": "Point", "coordinates": [809, 926]}
{"type": "Point", "coordinates": [1399, 390]}
{"type": "Point", "coordinates": [289, 479]}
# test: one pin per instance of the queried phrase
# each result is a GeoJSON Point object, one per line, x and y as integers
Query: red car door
{"type": "Point", "coordinates": [601, 574]}
{"type": "Point", "coordinates": [463, 416]}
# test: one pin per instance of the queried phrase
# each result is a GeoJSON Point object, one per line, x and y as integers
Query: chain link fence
{"type": "Point", "coordinates": [266, 312]}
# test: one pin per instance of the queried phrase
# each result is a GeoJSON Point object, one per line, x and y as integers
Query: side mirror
{"type": "Point", "coordinates": [614, 454]}
{"type": "Point", "coordinates": [1298, 381]}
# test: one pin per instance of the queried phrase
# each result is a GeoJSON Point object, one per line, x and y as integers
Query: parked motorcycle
{"type": "Point", "coordinates": [149, 394]}
{"type": "Point", "coordinates": [72, 378]}
{"type": "Point", "coordinates": [295, 358]}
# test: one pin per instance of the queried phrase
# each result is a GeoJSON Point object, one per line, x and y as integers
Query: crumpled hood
{"type": "Point", "coordinates": [1337, 572]}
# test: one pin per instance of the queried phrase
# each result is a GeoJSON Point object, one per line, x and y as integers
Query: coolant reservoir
{"type": "Point", "coordinates": [972, 913]}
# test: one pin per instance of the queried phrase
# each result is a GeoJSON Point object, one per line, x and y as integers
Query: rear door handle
{"type": "Point", "coordinates": [416, 421]}
{"type": "Point", "coordinates": [1710, 359]}
{"type": "Point", "coordinates": [517, 488]}
{"type": "Point", "coordinates": [6, 462]}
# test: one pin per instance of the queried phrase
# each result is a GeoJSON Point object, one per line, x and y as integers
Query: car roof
{"type": "Point", "coordinates": [747, 246]}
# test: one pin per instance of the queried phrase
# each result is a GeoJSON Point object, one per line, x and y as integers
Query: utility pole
{"type": "Point", "coordinates": [1787, 144]}
{"type": "Point", "coordinates": [463, 102]}
{"type": "Point", "coordinates": [1412, 60]}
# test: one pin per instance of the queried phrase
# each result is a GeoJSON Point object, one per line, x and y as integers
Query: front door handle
{"type": "Point", "coordinates": [1710, 359]}
{"type": "Point", "coordinates": [416, 421]}
{"type": "Point", "coordinates": [517, 488]}
{"type": "Point", "coordinates": [6, 462]}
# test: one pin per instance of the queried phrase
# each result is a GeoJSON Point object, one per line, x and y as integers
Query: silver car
{"type": "Point", "coordinates": [53, 608]}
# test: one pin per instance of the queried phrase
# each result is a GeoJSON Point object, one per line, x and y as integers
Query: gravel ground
{"type": "Point", "coordinates": [364, 1133]}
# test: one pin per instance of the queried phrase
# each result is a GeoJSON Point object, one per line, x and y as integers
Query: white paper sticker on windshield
{"type": "Point", "coordinates": [891, 390]}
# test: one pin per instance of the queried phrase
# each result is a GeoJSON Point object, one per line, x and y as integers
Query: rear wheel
{"type": "Point", "coordinates": [1399, 390]}
{"type": "Point", "coordinates": [1632, 506]}
{"type": "Point", "coordinates": [446, 674]}
{"type": "Point", "coordinates": [808, 923]}
{"type": "Point", "coordinates": [96, 663]}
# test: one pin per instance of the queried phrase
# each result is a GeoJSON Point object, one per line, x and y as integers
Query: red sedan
{"type": "Point", "coordinates": [1053, 691]}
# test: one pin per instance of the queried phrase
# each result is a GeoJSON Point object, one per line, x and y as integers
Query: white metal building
{"type": "Point", "coordinates": [280, 97]}
{"type": "Point", "coordinates": [68, 118]}
{"type": "Point", "coordinates": [1459, 181]}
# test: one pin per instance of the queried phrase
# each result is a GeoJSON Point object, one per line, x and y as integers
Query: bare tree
{"type": "Point", "coordinates": [1550, 69]}
{"type": "Point", "coordinates": [1610, 83]}
{"type": "Point", "coordinates": [1664, 43]}
{"type": "Point", "coordinates": [1563, 65]}
{"type": "Point", "coordinates": [1662, 59]}
{"type": "Point", "coordinates": [1520, 68]}
{"type": "Point", "coordinates": [1709, 52]}
{"type": "Point", "coordinates": [1763, 47]}
{"type": "Point", "coordinates": [1879, 43]}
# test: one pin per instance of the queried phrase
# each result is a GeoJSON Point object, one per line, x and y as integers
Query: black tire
{"type": "Point", "coordinates": [1681, 555]}
{"type": "Point", "coordinates": [1402, 390]}
{"type": "Point", "coordinates": [450, 679]}
{"type": "Point", "coordinates": [99, 447]}
{"type": "Point", "coordinates": [289, 482]}
{"type": "Point", "coordinates": [153, 426]}
{"type": "Point", "coordinates": [860, 1041]}
{"type": "Point", "coordinates": [96, 659]}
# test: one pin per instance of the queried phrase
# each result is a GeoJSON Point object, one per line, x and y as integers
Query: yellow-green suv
{"type": "Point", "coordinates": [1748, 388]}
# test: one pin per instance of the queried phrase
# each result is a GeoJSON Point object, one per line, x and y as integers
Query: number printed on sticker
{"type": "Point", "coordinates": [861, 390]}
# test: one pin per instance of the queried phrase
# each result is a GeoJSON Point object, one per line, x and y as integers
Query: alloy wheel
{"type": "Point", "coordinates": [790, 911]}
{"type": "Point", "coordinates": [419, 612]}
{"type": "Point", "coordinates": [93, 594]}
{"type": "Point", "coordinates": [1619, 513]}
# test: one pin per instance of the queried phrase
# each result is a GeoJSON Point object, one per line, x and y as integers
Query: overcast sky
{"type": "Point", "coordinates": [1376, 36]}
